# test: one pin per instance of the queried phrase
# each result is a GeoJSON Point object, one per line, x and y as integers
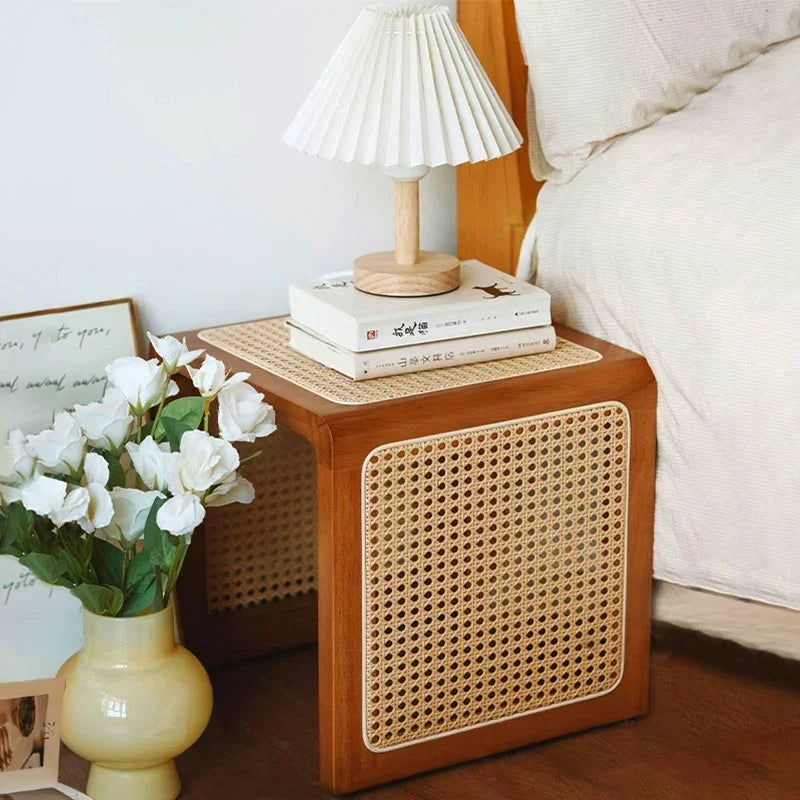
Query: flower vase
{"type": "Point", "coordinates": [134, 700]}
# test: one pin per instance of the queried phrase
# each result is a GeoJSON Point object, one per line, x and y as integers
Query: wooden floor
{"type": "Point", "coordinates": [728, 730]}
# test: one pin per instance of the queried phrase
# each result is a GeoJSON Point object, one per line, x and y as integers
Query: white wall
{"type": "Point", "coordinates": [141, 155]}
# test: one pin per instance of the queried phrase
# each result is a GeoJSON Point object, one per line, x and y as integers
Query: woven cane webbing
{"type": "Point", "coordinates": [263, 343]}
{"type": "Point", "coordinates": [266, 550]}
{"type": "Point", "coordinates": [494, 572]}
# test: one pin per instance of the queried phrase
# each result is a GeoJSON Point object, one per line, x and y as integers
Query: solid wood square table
{"type": "Point", "coordinates": [471, 548]}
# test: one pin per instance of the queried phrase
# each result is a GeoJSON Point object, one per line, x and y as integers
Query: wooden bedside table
{"type": "Point", "coordinates": [483, 551]}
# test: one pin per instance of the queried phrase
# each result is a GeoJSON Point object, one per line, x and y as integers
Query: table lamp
{"type": "Point", "coordinates": [405, 91]}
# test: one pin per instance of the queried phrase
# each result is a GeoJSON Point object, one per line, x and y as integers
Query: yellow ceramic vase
{"type": "Point", "coordinates": [133, 701]}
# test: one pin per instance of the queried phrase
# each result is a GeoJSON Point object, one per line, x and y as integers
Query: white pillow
{"type": "Point", "coordinates": [602, 68]}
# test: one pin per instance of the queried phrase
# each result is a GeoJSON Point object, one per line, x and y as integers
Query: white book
{"type": "Point", "coordinates": [421, 357]}
{"type": "Point", "coordinates": [488, 301]}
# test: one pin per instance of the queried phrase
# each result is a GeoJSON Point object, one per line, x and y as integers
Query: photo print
{"type": "Point", "coordinates": [30, 717]}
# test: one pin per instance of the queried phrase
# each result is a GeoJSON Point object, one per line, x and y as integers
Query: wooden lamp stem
{"type": "Point", "coordinates": [406, 222]}
{"type": "Point", "coordinates": [406, 271]}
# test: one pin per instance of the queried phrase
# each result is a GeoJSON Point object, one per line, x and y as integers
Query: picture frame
{"type": "Point", "coordinates": [30, 733]}
{"type": "Point", "coordinates": [51, 359]}
{"type": "Point", "coordinates": [51, 347]}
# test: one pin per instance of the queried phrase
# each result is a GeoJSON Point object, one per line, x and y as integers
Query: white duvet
{"type": "Point", "coordinates": [682, 242]}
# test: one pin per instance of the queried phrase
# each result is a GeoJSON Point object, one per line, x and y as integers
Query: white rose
{"type": "Point", "coordinates": [142, 383]}
{"type": "Point", "coordinates": [152, 462]}
{"type": "Point", "coordinates": [210, 377]}
{"type": "Point", "coordinates": [131, 509]}
{"type": "Point", "coordinates": [242, 416]}
{"type": "Point", "coordinates": [174, 354]}
{"type": "Point", "coordinates": [181, 514]}
{"type": "Point", "coordinates": [106, 424]}
{"type": "Point", "coordinates": [100, 509]}
{"type": "Point", "coordinates": [42, 495]}
{"type": "Point", "coordinates": [60, 448]}
{"type": "Point", "coordinates": [8, 494]}
{"type": "Point", "coordinates": [238, 490]}
{"type": "Point", "coordinates": [16, 461]}
{"type": "Point", "coordinates": [204, 461]}
{"type": "Point", "coordinates": [74, 507]}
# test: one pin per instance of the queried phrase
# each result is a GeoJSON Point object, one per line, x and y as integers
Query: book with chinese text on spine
{"type": "Point", "coordinates": [423, 356]}
{"type": "Point", "coordinates": [488, 301]}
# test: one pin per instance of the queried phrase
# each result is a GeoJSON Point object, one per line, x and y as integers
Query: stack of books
{"type": "Point", "coordinates": [492, 315]}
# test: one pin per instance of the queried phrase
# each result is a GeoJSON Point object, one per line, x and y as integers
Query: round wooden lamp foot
{"type": "Point", "coordinates": [379, 273]}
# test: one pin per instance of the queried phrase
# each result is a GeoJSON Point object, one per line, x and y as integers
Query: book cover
{"type": "Point", "coordinates": [488, 301]}
{"type": "Point", "coordinates": [421, 357]}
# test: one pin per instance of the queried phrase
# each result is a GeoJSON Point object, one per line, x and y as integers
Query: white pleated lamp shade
{"type": "Point", "coordinates": [404, 89]}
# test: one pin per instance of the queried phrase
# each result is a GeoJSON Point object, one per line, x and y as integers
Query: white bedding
{"type": "Point", "coordinates": [682, 242]}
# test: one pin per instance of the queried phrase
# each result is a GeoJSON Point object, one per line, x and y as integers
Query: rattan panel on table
{"type": "Point", "coordinates": [483, 549]}
{"type": "Point", "coordinates": [494, 572]}
{"type": "Point", "coordinates": [267, 550]}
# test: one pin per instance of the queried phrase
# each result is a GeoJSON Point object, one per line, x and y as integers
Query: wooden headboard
{"type": "Point", "coordinates": [496, 199]}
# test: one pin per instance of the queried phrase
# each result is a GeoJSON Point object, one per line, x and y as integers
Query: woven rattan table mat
{"type": "Point", "coordinates": [264, 344]}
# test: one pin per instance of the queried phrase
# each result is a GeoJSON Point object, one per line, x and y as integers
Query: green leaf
{"type": "Point", "coordinates": [104, 600]}
{"type": "Point", "coordinates": [45, 567]}
{"type": "Point", "coordinates": [75, 570]}
{"type": "Point", "coordinates": [140, 596]}
{"type": "Point", "coordinates": [18, 523]}
{"type": "Point", "coordinates": [140, 585]}
{"type": "Point", "coordinates": [116, 472]}
{"type": "Point", "coordinates": [175, 429]}
{"type": "Point", "coordinates": [157, 547]}
{"type": "Point", "coordinates": [107, 562]}
{"type": "Point", "coordinates": [7, 547]}
{"type": "Point", "coordinates": [158, 597]}
{"type": "Point", "coordinates": [41, 537]}
{"type": "Point", "coordinates": [147, 430]}
{"type": "Point", "coordinates": [139, 569]}
{"type": "Point", "coordinates": [188, 410]}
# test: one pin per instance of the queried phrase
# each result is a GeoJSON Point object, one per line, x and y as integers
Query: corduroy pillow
{"type": "Point", "coordinates": [602, 68]}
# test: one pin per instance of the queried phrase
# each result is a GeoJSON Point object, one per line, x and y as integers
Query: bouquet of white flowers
{"type": "Point", "coordinates": [105, 501]}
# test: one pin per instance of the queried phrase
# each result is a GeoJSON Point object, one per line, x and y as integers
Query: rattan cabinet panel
{"type": "Point", "coordinates": [267, 550]}
{"type": "Point", "coordinates": [494, 572]}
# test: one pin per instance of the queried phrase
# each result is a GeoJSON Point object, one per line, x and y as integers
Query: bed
{"type": "Point", "coordinates": [678, 238]}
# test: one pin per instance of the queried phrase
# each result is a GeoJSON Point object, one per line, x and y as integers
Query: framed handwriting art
{"type": "Point", "coordinates": [49, 361]}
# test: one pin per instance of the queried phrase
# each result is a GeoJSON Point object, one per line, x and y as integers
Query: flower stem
{"type": "Point", "coordinates": [250, 458]}
{"type": "Point", "coordinates": [160, 406]}
{"type": "Point", "coordinates": [125, 562]}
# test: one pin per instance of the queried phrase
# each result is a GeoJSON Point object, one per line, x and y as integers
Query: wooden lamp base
{"type": "Point", "coordinates": [434, 273]}
{"type": "Point", "coordinates": [406, 271]}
